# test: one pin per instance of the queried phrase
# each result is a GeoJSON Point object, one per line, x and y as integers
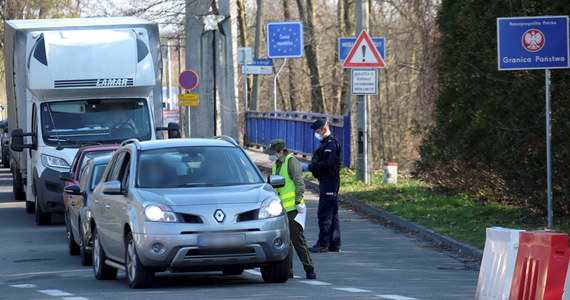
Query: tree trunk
{"type": "Point", "coordinates": [257, 44]}
{"type": "Point", "coordinates": [307, 15]}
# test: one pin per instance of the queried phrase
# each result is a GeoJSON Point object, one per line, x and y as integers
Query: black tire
{"type": "Point", "coordinates": [100, 269]}
{"type": "Point", "coordinates": [233, 271]}
{"type": "Point", "coordinates": [276, 272]}
{"type": "Point", "coordinates": [72, 246]}
{"type": "Point", "coordinates": [6, 161]}
{"type": "Point", "coordinates": [42, 218]}
{"type": "Point", "coordinates": [17, 186]}
{"type": "Point", "coordinates": [86, 258]}
{"type": "Point", "coordinates": [30, 207]}
{"type": "Point", "coordinates": [138, 275]}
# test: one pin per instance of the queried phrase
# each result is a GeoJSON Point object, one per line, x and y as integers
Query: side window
{"type": "Point", "coordinates": [74, 163]}
{"type": "Point", "coordinates": [124, 173]}
{"type": "Point", "coordinates": [116, 167]}
{"type": "Point", "coordinates": [83, 181]}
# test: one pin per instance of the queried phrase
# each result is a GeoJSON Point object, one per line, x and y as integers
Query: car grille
{"type": "Point", "coordinates": [187, 218]}
{"type": "Point", "coordinates": [248, 215]}
{"type": "Point", "coordinates": [218, 252]}
{"type": "Point", "coordinates": [221, 231]}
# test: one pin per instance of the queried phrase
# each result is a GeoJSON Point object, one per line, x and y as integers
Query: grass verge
{"type": "Point", "coordinates": [460, 216]}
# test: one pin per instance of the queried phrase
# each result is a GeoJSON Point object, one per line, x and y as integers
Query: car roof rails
{"type": "Point", "coordinates": [228, 139]}
{"type": "Point", "coordinates": [131, 141]}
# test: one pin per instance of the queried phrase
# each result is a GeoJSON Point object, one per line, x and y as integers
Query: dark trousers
{"type": "Point", "coordinates": [297, 241]}
{"type": "Point", "coordinates": [329, 228]}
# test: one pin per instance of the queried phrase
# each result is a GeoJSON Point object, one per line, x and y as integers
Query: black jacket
{"type": "Point", "coordinates": [326, 160]}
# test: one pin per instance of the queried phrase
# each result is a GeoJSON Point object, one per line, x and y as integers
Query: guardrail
{"type": "Point", "coordinates": [295, 128]}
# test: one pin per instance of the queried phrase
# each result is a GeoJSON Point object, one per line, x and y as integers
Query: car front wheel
{"type": "Point", "coordinates": [276, 272]}
{"type": "Point", "coordinates": [138, 275]}
{"type": "Point", "coordinates": [100, 269]}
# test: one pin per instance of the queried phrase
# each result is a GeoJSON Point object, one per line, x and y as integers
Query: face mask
{"type": "Point", "coordinates": [318, 136]}
{"type": "Point", "coordinates": [273, 158]}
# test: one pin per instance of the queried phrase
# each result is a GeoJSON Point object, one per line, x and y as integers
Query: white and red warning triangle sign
{"type": "Point", "coordinates": [363, 54]}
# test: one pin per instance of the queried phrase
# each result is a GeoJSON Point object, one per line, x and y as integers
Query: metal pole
{"type": "Point", "coordinates": [168, 76]}
{"type": "Point", "coordinates": [275, 84]}
{"type": "Point", "coordinates": [362, 173]}
{"type": "Point", "coordinates": [548, 150]}
{"type": "Point", "coordinates": [245, 91]}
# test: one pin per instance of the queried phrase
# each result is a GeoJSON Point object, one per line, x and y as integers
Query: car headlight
{"type": "Point", "coordinates": [54, 162]}
{"type": "Point", "coordinates": [270, 208]}
{"type": "Point", "coordinates": [155, 213]}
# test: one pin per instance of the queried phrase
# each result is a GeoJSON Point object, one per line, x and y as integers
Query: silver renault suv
{"type": "Point", "coordinates": [187, 205]}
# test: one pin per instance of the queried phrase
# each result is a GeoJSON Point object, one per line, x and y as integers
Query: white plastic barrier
{"type": "Point", "coordinates": [498, 264]}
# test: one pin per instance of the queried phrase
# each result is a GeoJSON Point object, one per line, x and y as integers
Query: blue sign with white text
{"type": "Point", "coordinates": [284, 39]}
{"type": "Point", "coordinates": [262, 62]}
{"type": "Point", "coordinates": [345, 45]}
{"type": "Point", "coordinates": [532, 43]}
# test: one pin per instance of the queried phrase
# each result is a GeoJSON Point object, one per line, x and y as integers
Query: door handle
{"type": "Point", "coordinates": [107, 205]}
{"type": "Point", "coordinates": [96, 201]}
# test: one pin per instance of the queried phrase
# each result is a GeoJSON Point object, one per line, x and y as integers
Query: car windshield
{"type": "Point", "coordinates": [98, 171]}
{"type": "Point", "coordinates": [95, 121]}
{"type": "Point", "coordinates": [87, 155]}
{"type": "Point", "coordinates": [195, 166]}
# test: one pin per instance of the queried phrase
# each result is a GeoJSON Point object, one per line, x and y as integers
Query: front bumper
{"type": "Point", "coordinates": [184, 252]}
{"type": "Point", "coordinates": [49, 191]}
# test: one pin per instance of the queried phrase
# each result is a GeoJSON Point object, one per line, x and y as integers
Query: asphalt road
{"type": "Point", "coordinates": [375, 263]}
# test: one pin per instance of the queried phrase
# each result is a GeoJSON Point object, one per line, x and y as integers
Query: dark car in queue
{"type": "Point", "coordinates": [5, 143]}
{"type": "Point", "coordinates": [79, 208]}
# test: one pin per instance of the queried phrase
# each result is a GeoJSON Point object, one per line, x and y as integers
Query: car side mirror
{"type": "Point", "coordinates": [66, 176]}
{"type": "Point", "coordinates": [17, 140]}
{"type": "Point", "coordinates": [276, 181]}
{"type": "Point", "coordinates": [112, 188]}
{"type": "Point", "coordinates": [72, 189]}
{"type": "Point", "coordinates": [173, 130]}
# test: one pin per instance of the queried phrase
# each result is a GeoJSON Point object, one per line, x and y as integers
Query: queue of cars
{"type": "Point", "coordinates": [180, 205]}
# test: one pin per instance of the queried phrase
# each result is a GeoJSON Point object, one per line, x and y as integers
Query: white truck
{"type": "Point", "coordinates": [76, 82]}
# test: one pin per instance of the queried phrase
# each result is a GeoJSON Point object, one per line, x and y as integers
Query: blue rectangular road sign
{"type": "Point", "coordinates": [284, 39]}
{"type": "Point", "coordinates": [346, 43]}
{"type": "Point", "coordinates": [532, 43]}
{"type": "Point", "coordinates": [259, 66]}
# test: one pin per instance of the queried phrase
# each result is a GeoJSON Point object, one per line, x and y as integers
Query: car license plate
{"type": "Point", "coordinates": [222, 240]}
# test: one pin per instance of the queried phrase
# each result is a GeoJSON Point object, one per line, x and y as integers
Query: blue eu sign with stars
{"type": "Point", "coordinates": [284, 39]}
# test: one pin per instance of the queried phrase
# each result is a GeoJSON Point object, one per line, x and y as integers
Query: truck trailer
{"type": "Point", "coordinates": [72, 83]}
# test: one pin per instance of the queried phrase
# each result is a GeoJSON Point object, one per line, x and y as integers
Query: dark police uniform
{"type": "Point", "coordinates": [325, 166]}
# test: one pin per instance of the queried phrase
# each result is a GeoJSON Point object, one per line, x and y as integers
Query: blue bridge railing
{"type": "Point", "coordinates": [295, 128]}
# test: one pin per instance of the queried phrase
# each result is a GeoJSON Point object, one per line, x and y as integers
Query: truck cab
{"type": "Point", "coordinates": [76, 82]}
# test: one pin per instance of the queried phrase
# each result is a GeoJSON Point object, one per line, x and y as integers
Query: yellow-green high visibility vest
{"type": "Point", "coordinates": [286, 193]}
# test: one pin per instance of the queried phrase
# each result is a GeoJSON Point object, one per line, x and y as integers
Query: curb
{"type": "Point", "coordinates": [455, 245]}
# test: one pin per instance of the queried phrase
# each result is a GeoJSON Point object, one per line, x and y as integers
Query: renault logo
{"type": "Point", "coordinates": [219, 215]}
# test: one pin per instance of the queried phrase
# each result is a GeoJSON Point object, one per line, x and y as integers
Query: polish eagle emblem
{"type": "Point", "coordinates": [533, 40]}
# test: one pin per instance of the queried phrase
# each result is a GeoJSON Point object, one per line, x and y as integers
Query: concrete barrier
{"type": "Point", "coordinates": [498, 264]}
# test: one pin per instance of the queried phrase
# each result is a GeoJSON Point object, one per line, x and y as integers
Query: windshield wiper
{"type": "Point", "coordinates": [84, 143]}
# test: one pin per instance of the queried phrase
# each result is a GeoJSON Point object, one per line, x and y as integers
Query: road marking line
{"type": "Point", "coordinates": [55, 293]}
{"type": "Point", "coordinates": [353, 290]}
{"type": "Point", "coordinates": [314, 282]}
{"type": "Point", "coordinates": [396, 297]}
{"type": "Point", "coordinates": [24, 286]}
{"type": "Point", "coordinates": [74, 298]}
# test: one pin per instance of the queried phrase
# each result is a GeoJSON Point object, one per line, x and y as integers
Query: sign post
{"type": "Point", "coordinates": [526, 43]}
{"type": "Point", "coordinates": [244, 57]}
{"type": "Point", "coordinates": [365, 57]}
{"type": "Point", "coordinates": [188, 80]}
{"type": "Point", "coordinates": [284, 40]}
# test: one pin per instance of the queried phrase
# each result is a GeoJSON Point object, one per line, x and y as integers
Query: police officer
{"type": "Point", "coordinates": [291, 196]}
{"type": "Point", "coordinates": [325, 166]}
